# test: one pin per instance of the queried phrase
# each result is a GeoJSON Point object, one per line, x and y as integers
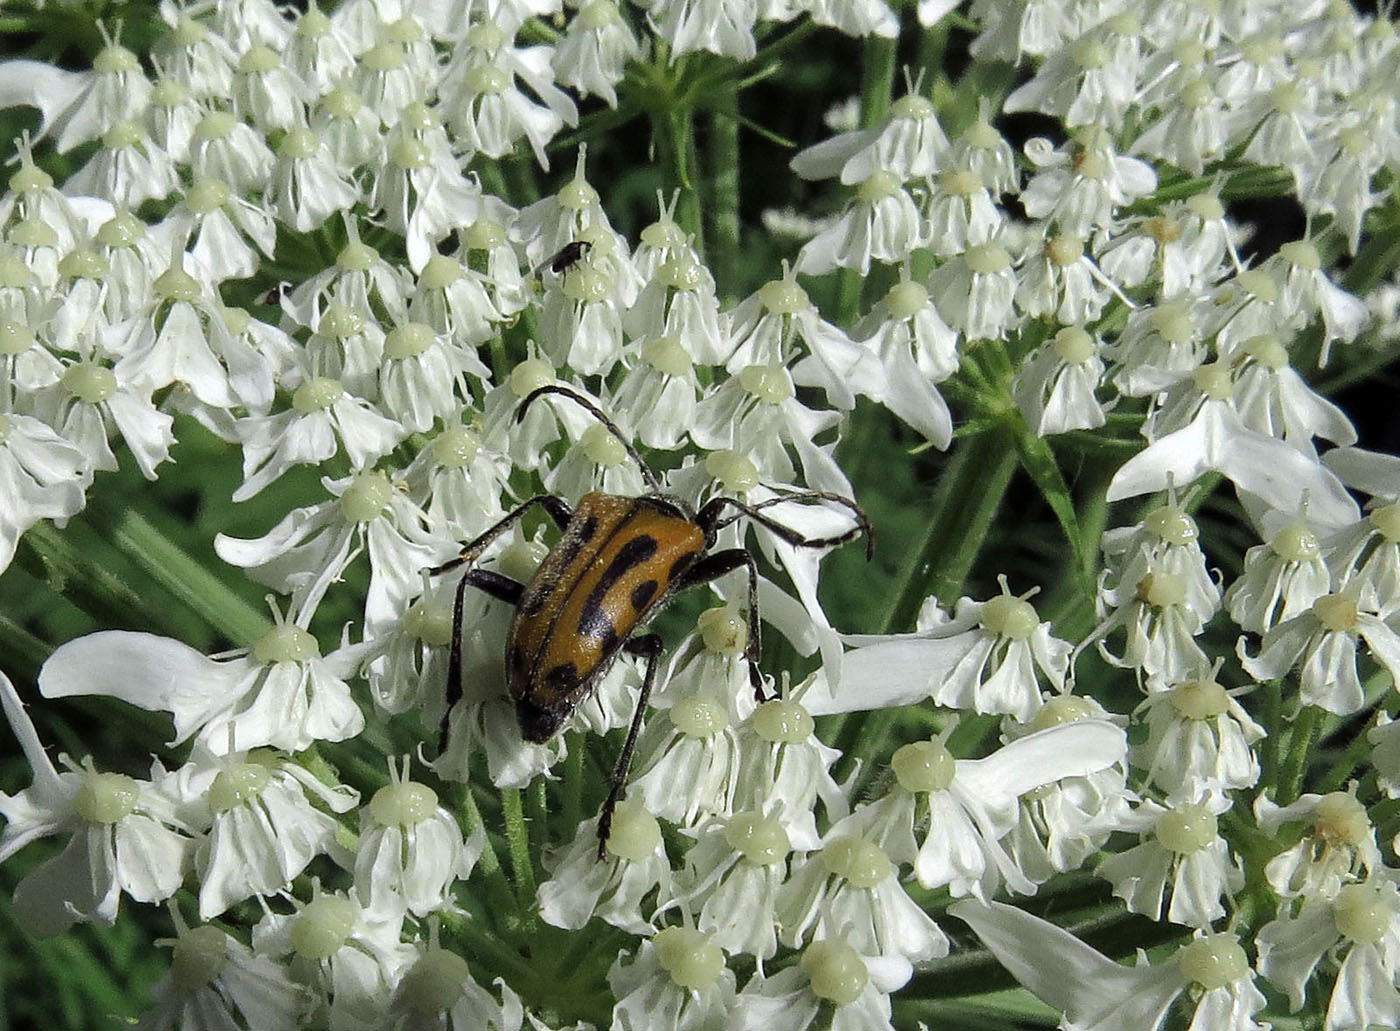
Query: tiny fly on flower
{"type": "Point", "coordinates": [619, 560]}
{"type": "Point", "coordinates": [565, 258]}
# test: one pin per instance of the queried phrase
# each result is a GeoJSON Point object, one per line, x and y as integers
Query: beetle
{"type": "Point", "coordinates": [618, 561]}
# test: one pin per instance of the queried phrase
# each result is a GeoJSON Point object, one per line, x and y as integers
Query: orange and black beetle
{"type": "Point", "coordinates": [618, 562]}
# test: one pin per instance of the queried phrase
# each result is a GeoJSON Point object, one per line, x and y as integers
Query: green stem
{"type": "Point", "coordinates": [490, 863]}
{"type": "Point", "coordinates": [518, 841]}
{"type": "Point", "coordinates": [963, 505]}
{"type": "Point", "coordinates": [724, 200]}
{"type": "Point", "coordinates": [1300, 746]}
{"type": "Point", "coordinates": [186, 578]}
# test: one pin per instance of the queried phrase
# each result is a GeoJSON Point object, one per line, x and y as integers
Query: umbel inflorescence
{"type": "Point", "coordinates": [312, 239]}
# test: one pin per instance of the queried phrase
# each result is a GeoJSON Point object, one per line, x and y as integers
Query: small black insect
{"type": "Point", "coordinates": [565, 258]}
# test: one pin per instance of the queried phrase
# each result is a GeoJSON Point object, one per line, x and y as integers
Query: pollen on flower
{"type": "Point", "coordinates": [367, 497]}
{"type": "Point", "coordinates": [1009, 617]}
{"type": "Point", "coordinates": [435, 982]}
{"type": "Point", "coordinates": [635, 833]}
{"type": "Point", "coordinates": [760, 839]}
{"type": "Point", "coordinates": [1172, 525]}
{"type": "Point", "coordinates": [1214, 961]}
{"type": "Point", "coordinates": [782, 721]}
{"type": "Point", "coordinates": [1336, 612]}
{"type": "Point", "coordinates": [735, 472]}
{"type": "Point", "coordinates": [667, 355]}
{"type": "Point", "coordinates": [688, 955]}
{"type": "Point", "coordinates": [1362, 914]}
{"type": "Point", "coordinates": [106, 797]}
{"type": "Point", "coordinates": [1341, 820]}
{"type": "Point", "coordinates": [602, 448]}
{"type": "Point", "coordinates": [237, 785]}
{"type": "Point", "coordinates": [1187, 828]}
{"type": "Point", "coordinates": [529, 376]}
{"type": "Point", "coordinates": [836, 971]}
{"type": "Point", "coordinates": [768, 383]}
{"type": "Point", "coordinates": [199, 956]}
{"type": "Point", "coordinates": [863, 864]}
{"type": "Point", "coordinates": [1267, 350]}
{"type": "Point", "coordinates": [783, 297]}
{"type": "Point", "coordinates": [89, 382]}
{"type": "Point", "coordinates": [322, 927]}
{"type": "Point", "coordinates": [1386, 520]}
{"type": "Point", "coordinates": [403, 804]}
{"type": "Point", "coordinates": [429, 623]}
{"type": "Point", "coordinates": [1073, 345]}
{"type": "Point", "coordinates": [924, 766]}
{"type": "Point", "coordinates": [906, 298]}
{"type": "Point", "coordinates": [1161, 590]}
{"type": "Point", "coordinates": [1201, 699]}
{"type": "Point", "coordinates": [1062, 709]}
{"type": "Point", "coordinates": [723, 630]}
{"type": "Point", "coordinates": [698, 716]}
{"type": "Point", "coordinates": [286, 642]}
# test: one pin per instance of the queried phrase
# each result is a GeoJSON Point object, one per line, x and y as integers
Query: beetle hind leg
{"type": "Point", "coordinates": [711, 568]}
{"type": "Point", "coordinates": [647, 646]}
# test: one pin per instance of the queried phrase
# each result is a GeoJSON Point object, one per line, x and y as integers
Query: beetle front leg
{"type": "Point", "coordinates": [647, 646]}
{"type": "Point", "coordinates": [557, 508]}
{"type": "Point", "coordinates": [711, 568]}
{"type": "Point", "coordinates": [502, 588]}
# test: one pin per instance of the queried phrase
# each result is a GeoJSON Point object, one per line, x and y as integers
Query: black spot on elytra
{"type": "Point", "coordinates": [680, 566]}
{"type": "Point", "coordinates": [593, 622]}
{"type": "Point", "coordinates": [643, 593]}
{"type": "Point", "coordinates": [517, 661]}
{"type": "Point", "coordinates": [563, 678]}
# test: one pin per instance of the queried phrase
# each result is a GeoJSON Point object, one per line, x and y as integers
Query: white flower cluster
{"type": "Point", "coordinates": [1118, 285]}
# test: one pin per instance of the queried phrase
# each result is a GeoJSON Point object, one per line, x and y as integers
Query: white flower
{"type": "Point", "coordinates": [1185, 853]}
{"type": "Point", "coordinates": [1096, 993]}
{"type": "Point", "coordinates": [1199, 739]}
{"type": "Point", "coordinates": [733, 874]}
{"type": "Point", "coordinates": [1282, 578]}
{"type": "Point", "coordinates": [214, 980]}
{"type": "Point", "coordinates": [583, 885]}
{"type": "Point", "coordinates": [350, 956]}
{"type": "Point", "coordinates": [722, 27]}
{"type": "Point", "coordinates": [1079, 187]}
{"type": "Point", "coordinates": [911, 144]}
{"type": "Point", "coordinates": [126, 835]}
{"type": "Point", "coordinates": [282, 692]}
{"type": "Point", "coordinates": [687, 761]}
{"type": "Point", "coordinates": [677, 979]}
{"type": "Point", "coordinates": [438, 993]}
{"type": "Point", "coordinates": [1322, 643]}
{"type": "Point", "coordinates": [1089, 81]}
{"type": "Point", "coordinates": [308, 550]}
{"type": "Point", "coordinates": [113, 93]}
{"type": "Point", "coordinates": [594, 52]}
{"type": "Point", "coordinates": [410, 853]}
{"type": "Point", "coordinates": [307, 184]}
{"type": "Point", "coordinates": [831, 976]}
{"type": "Point", "coordinates": [1056, 385]}
{"type": "Point", "coordinates": [232, 151]}
{"type": "Point", "coordinates": [424, 375]}
{"type": "Point", "coordinates": [1337, 845]}
{"type": "Point", "coordinates": [881, 222]}
{"type": "Point", "coordinates": [485, 105]}
{"type": "Point", "coordinates": [784, 769]}
{"type": "Point", "coordinates": [267, 92]}
{"type": "Point", "coordinates": [221, 224]}
{"type": "Point", "coordinates": [42, 476]}
{"type": "Point", "coordinates": [1359, 930]}
{"type": "Point", "coordinates": [974, 291]}
{"type": "Point", "coordinates": [850, 887]}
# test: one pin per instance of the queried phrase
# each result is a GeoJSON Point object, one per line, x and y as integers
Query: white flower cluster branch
{"type": "Point", "coordinates": [1077, 283]}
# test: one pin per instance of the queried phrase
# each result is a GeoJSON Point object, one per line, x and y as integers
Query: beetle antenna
{"type": "Point", "coordinates": [557, 388]}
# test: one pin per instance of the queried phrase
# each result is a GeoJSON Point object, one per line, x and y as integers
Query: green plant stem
{"type": "Point", "coordinates": [186, 578]}
{"type": "Point", "coordinates": [518, 841]}
{"type": "Point", "coordinates": [490, 863]}
{"type": "Point", "coordinates": [964, 502]}
{"type": "Point", "coordinates": [723, 152]}
{"type": "Point", "coordinates": [1300, 745]}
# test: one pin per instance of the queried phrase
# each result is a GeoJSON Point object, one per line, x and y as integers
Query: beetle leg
{"type": "Point", "coordinates": [557, 508]}
{"type": "Point", "coordinates": [494, 584]}
{"type": "Point", "coordinates": [502, 588]}
{"type": "Point", "coordinates": [710, 519]}
{"type": "Point", "coordinates": [647, 646]}
{"type": "Point", "coordinates": [712, 567]}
